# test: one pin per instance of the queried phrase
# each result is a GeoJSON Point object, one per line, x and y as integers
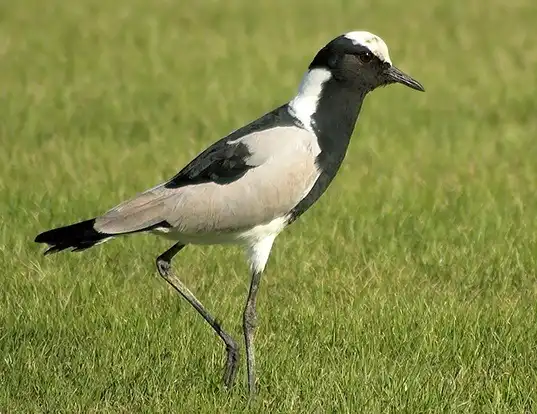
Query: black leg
{"type": "Point", "coordinates": [165, 270]}
{"type": "Point", "coordinates": [249, 324]}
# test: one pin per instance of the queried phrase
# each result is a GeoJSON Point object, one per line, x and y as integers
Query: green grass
{"type": "Point", "coordinates": [411, 285]}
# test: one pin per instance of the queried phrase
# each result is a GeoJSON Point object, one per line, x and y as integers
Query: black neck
{"type": "Point", "coordinates": [334, 121]}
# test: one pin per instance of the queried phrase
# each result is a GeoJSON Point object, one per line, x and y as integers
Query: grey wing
{"type": "Point", "coordinates": [145, 211]}
{"type": "Point", "coordinates": [233, 185]}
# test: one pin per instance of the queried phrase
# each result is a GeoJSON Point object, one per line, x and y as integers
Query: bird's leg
{"type": "Point", "coordinates": [257, 254]}
{"type": "Point", "coordinates": [165, 270]}
{"type": "Point", "coordinates": [249, 324]}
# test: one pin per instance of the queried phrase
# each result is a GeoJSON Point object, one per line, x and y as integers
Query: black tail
{"type": "Point", "coordinates": [79, 236]}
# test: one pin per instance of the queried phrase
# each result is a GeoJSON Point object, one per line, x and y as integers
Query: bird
{"type": "Point", "coordinates": [248, 186]}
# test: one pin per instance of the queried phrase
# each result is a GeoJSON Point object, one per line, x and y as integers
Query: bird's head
{"type": "Point", "coordinates": [361, 60]}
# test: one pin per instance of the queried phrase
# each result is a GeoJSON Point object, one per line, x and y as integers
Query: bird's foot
{"type": "Point", "coordinates": [232, 364]}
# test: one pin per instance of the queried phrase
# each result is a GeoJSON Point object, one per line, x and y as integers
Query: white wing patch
{"type": "Point", "coordinates": [372, 42]}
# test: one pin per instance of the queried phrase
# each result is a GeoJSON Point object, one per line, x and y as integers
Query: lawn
{"type": "Point", "coordinates": [409, 287]}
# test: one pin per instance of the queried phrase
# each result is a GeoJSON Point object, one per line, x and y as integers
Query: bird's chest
{"type": "Point", "coordinates": [328, 161]}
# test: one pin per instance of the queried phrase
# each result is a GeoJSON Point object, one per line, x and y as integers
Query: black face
{"type": "Point", "coordinates": [357, 67]}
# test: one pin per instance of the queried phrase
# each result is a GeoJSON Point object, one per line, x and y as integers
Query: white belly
{"type": "Point", "coordinates": [246, 237]}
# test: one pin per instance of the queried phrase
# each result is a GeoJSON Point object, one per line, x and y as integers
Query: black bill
{"type": "Point", "coordinates": [395, 75]}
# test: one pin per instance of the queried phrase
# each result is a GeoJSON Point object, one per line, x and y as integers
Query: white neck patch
{"type": "Point", "coordinates": [374, 43]}
{"type": "Point", "coordinates": [304, 104]}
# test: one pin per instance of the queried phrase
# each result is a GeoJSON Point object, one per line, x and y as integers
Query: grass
{"type": "Point", "coordinates": [411, 285]}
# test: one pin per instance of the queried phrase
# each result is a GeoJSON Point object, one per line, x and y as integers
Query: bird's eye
{"type": "Point", "coordinates": [366, 57]}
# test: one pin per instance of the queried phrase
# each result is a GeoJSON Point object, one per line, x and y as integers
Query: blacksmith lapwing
{"type": "Point", "coordinates": [248, 186]}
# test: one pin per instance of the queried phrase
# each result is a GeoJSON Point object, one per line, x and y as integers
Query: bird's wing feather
{"type": "Point", "coordinates": [238, 181]}
{"type": "Point", "coordinates": [229, 158]}
{"type": "Point", "coordinates": [225, 161]}
{"type": "Point", "coordinates": [222, 163]}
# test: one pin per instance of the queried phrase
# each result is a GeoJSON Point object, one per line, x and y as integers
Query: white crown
{"type": "Point", "coordinates": [374, 43]}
